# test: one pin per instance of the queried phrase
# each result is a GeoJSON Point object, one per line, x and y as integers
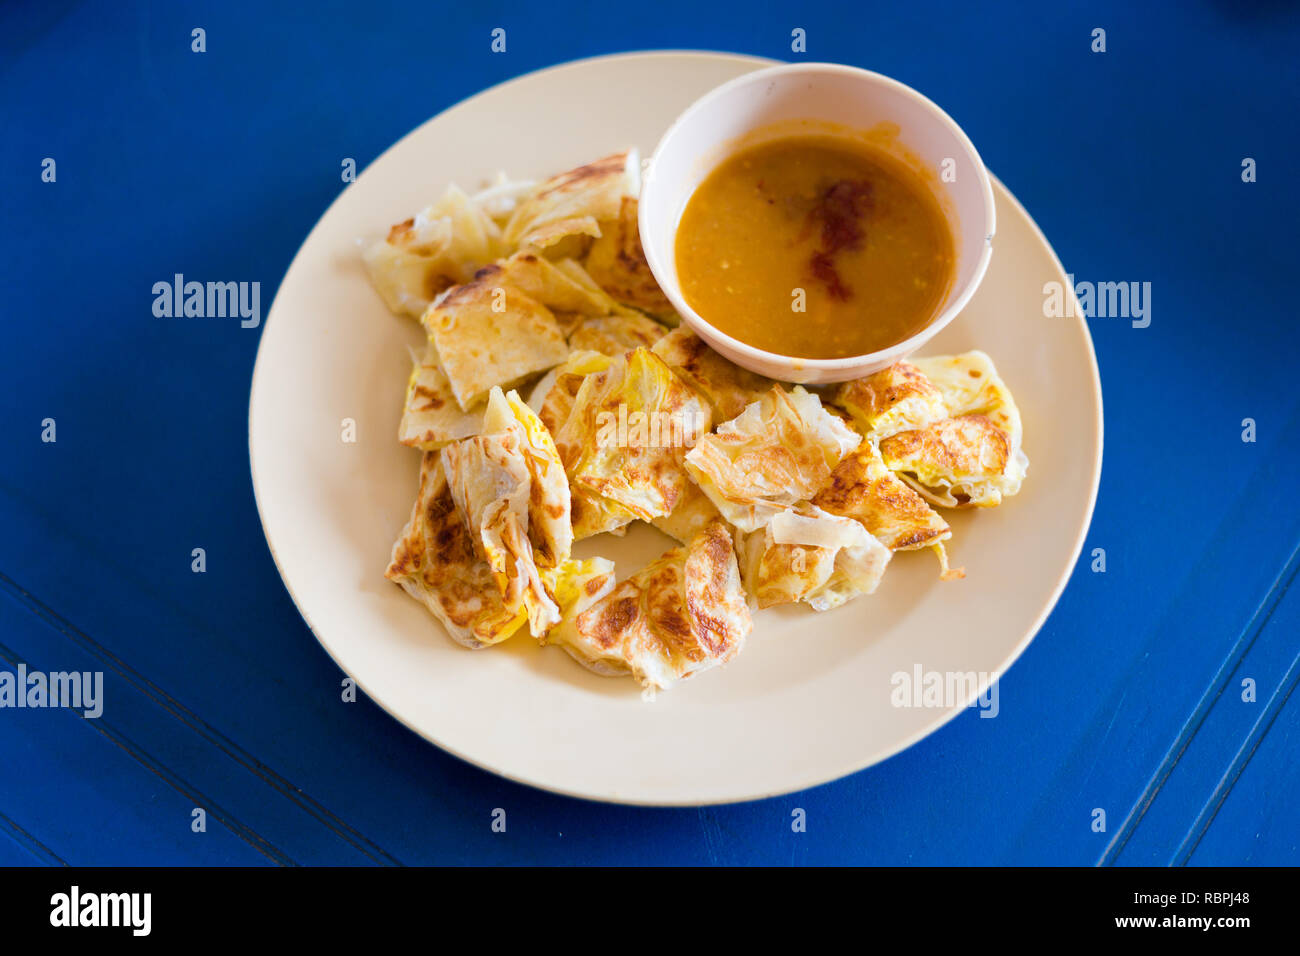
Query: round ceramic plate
{"type": "Point", "coordinates": [811, 697]}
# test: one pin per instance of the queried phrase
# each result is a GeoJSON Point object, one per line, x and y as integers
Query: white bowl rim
{"type": "Point", "coordinates": [847, 363]}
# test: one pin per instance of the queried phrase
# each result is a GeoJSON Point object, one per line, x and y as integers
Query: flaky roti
{"type": "Point", "coordinates": [617, 262]}
{"type": "Point", "coordinates": [434, 561]}
{"type": "Point", "coordinates": [727, 386]}
{"type": "Point", "coordinates": [806, 554]}
{"type": "Point", "coordinates": [779, 451]}
{"type": "Point", "coordinates": [488, 333]}
{"type": "Point", "coordinates": [894, 399]}
{"type": "Point", "coordinates": [628, 431]}
{"type": "Point", "coordinates": [513, 498]}
{"type": "Point", "coordinates": [616, 334]}
{"type": "Point", "coordinates": [572, 202]}
{"type": "Point", "coordinates": [682, 615]}
{"type": "Point", "coordinates": [862, 487]}
{"type": "Point", "coordinates": [431, 416]}
{"type": "Point", "coordinates": [957, 462]}
{"type": "Point", "coordinates": [438, 248]}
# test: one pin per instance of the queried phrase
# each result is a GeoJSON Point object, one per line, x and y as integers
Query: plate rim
{"type": "Point", "coordinates": [820, 779]}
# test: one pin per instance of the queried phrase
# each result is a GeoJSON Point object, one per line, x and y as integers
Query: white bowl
{"type": "Point", "coordinates": [818, 97]}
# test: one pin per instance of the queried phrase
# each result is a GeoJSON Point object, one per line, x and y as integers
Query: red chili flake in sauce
{"type": "Point", "coordinates": [840, 211]}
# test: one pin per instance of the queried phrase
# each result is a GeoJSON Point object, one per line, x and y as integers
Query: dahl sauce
{"type": "Point", "coordinates": [859, 232]}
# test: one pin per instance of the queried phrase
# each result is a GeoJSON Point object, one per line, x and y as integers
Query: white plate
{"type": "Point", "coordinates": [809, 700]}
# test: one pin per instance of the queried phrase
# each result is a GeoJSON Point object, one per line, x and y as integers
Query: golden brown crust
{"type": "Point", "coordinates": [434, 561]}
{"type": "Point", "coordinates": [862, 487]}
{"type": "Point", "coordinates": [969, 446]}
{"type": "Point", "coordinates": [727, 386]}
{"type": "Point", "coordinates": [682, 614]}
{"type": "Point", "coordinates": [895, 398]}
{"type": "Point", "coordinates": [618, 264]}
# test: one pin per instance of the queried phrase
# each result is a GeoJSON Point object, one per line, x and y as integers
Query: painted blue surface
{"type": "Point", "coordinates": [218, 164]}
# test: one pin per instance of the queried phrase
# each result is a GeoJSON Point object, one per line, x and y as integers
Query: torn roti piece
{"type": "Point", "coordinates": [500, 197]}
{"type": "Point", "coordinates": [627, 434]}
{"type": "Point", "coordinates": [957, 462]}
{"type": "Point", "coordinates": [727, 386]}
{"type": "Point", "coordinates": [693, 511]}
{"type": "Point", "coordinates": [434, 561]}
{"type": "Point", "coordinates": [511, 493]}
{"type": "Point", "coordinates": [683, 614]}
{"type": "Point", "coordinates": [971, 386]}
{"type": "Point", "coordinates": [573, 202]}
{"type": "Point", "coordinates": [895, 399]}
{"type": "Point", "coordinates": [618, 263]}
{"type": "Point", "coordinates": [616, 334]}
{"type": "Point", "coordinates": [563, 286]}
{"type": "Point", "coordinates": [488, 333]}
{"type": "Point", "coordinates": [862, 487]}
{"type": "Point", "coordinates": [430, 416]}
{"type": "Point", "coordinates": [549, 528]}
{"type": "Point", "coordinates": [553, 395]}
{"type": "Point", "coordinates": [780, 450]}
{"type": "Point", "coordinates": [442, 246]}
{"type": "Point", "coordinates": [805, 554]}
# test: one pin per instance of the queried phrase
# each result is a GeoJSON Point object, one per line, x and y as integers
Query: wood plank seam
{"type": "Point", "coordinates": [192, 793]}
{"type": "Point", "coordinates": [29, 843]}
{"type": "Point", "coordinates": [198, 725]}
{"type": "Point", "coordinates": [1249, 634]}
{"type": "Point", "coordinates": [1258, 731]}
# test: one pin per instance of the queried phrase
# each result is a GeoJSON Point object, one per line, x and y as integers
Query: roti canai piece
{"type": "Point", "coordinates": [549, 527]}
{"type": "Point", "coordinates": [512, 494]}
{"type": "Point", "coordinates": [682, 615]}
{"type": "Point", "coordinates": [779, 451]}
{"type": "Point", "coordinates": [430, 416]}
{"type": "Point", "coordinates": [895, 399]}
{"type": "Point", "coordinates": [488, 333]}
{"type": "Point", "coordinates": [616, 334]}
{"type": "Point", "coordinates": [617, 262]}
{"type": "Point", "coordinates": [628, 431]}
{"type": "Point", "coordinates": [957, 462]}
{"type": "Point", "coordinates": [693, 511]}
{"type": "Point", "coordinates": [727, 386]}
{"type": "Point", "coordinates": [553, 395]}
{"type": "Point", "coordinates": [563, 286]}
{"type": "Point", "coordinates": [439, 248]}
{"type": "Point", "coordinates": [973, 458]}
{"type": "Point", "coordinates": [434, 561]}
{"type": "Point", "coordinates": [553, 398]}
{"type": "Point", "coordinates": [805, 554]}
{"type": "Point", "coordinates": [863, 488]}
{"type": "Point", "coordinates": [970, 385]}
{"type": "Point", "coordinates": [570, 205]}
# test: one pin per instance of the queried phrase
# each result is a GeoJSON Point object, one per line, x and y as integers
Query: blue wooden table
{"type": "Point", "coordinates": [1159, 692]}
